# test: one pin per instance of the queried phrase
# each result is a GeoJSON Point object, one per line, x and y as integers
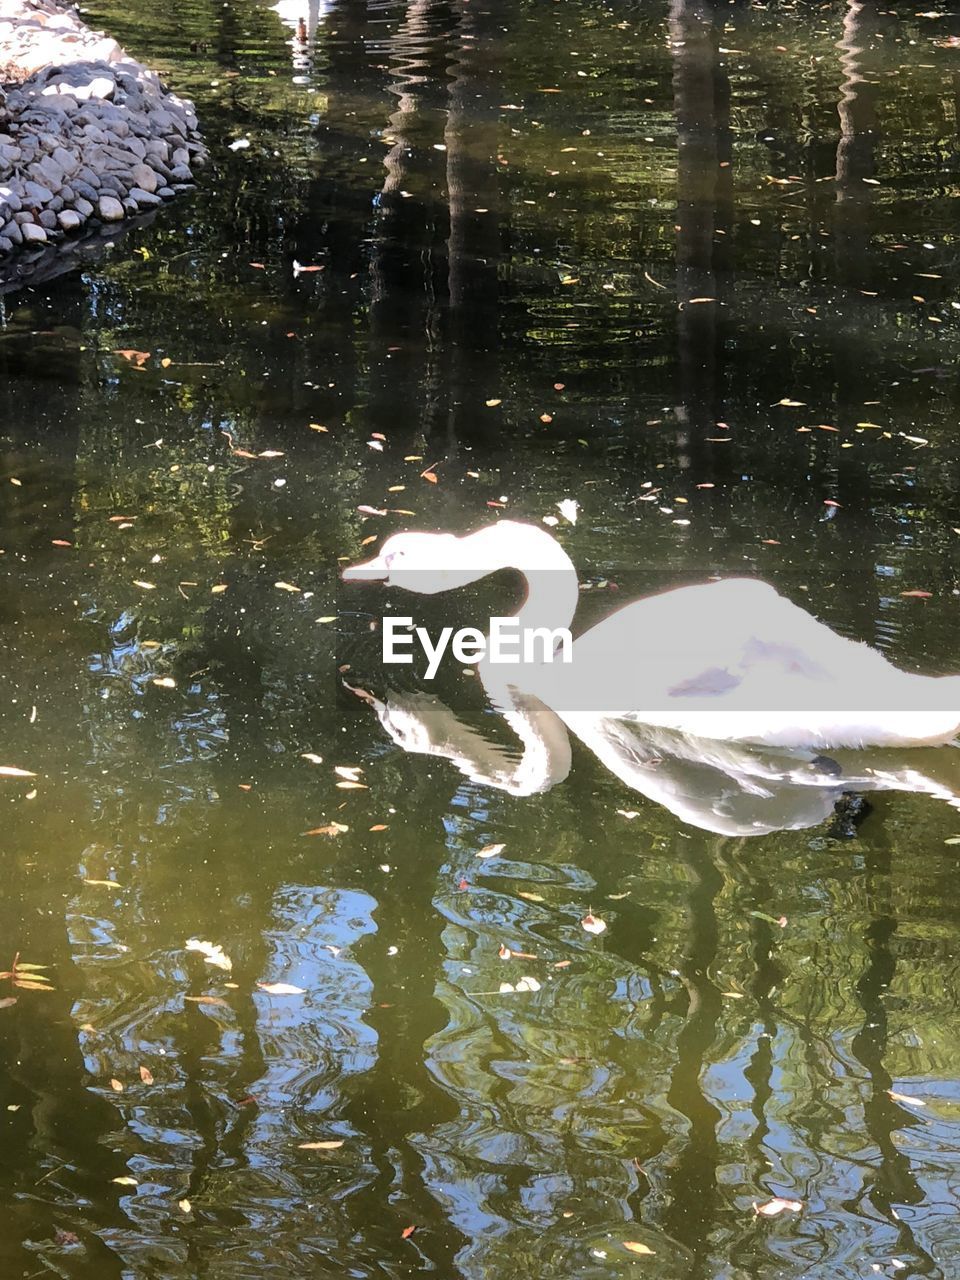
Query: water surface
{"type": "Point", "coordinates": [694, 267]}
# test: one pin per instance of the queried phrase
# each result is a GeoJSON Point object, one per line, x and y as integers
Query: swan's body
{"type": "Point", "coordinates": [729, 660]}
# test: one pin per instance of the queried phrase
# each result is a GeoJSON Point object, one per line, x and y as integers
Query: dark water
{"type": "Point", "coordinates": [502, 199]}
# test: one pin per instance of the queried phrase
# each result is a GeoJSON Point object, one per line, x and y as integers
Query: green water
{"type": "Point", "coordinates": [604, 166]}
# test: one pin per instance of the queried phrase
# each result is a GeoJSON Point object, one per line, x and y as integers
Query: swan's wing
{"type": "Point", "coordinates": [735, 642]}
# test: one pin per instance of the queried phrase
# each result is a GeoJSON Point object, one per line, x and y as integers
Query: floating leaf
{"type": "Point", "coordinates": [280, 989]}
{"type": "Point", "coordinates": [332, 1144]}
{"type": "Point", "coordinates": [490, 850]}
{"type": "Point", "coordinates": [125, 1181]}
{"type": "Point", "coordinates": [636, 1247]}
{"type": "Point", "coordinates": [593, 924]}
{"type": "Point", "coordinates": [10, 771]}
{"type": "Point", "coordinates": [905, 1097]}
{"type": "Point", "coordinates": [762, 915]}
{"type": "Point", "coordinates": [311, 756]}
{"type": "Point", "coordinates": [332, 829]}
{"type": "Point", "coordinates": [185, 1205]}
{"type": "Point", "coordinates": [146, 1075]}
{"type": "Point", "coordinates": [212, 952]}
{"type": "Point", "coordinates": [206, 1000]}
{"type": "Point", "coordinates": [777, 1205]}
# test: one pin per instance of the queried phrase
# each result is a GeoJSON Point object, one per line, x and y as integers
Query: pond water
{"type": "Point", "coordinates": [694, 267]}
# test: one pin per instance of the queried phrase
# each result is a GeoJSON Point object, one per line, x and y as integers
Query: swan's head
{"type": "Point", "coordinates": [423, 562]}
{"type": "Point", "coordinates": [429, 563]}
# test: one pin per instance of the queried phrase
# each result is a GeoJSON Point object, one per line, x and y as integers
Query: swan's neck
{"type": "Point", "coordinates": [552, 590]}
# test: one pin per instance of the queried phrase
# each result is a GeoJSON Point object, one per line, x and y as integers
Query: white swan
{"type": "Point", "coordinates": [729, 660]}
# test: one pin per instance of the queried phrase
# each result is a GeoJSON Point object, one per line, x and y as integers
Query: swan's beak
{"type": "Point", "coordinates": [374, 570]}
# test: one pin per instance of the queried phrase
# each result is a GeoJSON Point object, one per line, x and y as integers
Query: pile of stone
{"type": "Point", "coordinates": [87, 134]}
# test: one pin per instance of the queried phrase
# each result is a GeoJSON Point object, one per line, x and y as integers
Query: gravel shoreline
{"type": "Point", "coordinates": [88, 135]}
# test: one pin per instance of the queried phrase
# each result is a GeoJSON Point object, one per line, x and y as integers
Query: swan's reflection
{"type": "Point", "coordinates": [717, 786]}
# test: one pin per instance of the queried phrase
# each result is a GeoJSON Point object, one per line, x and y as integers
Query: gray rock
{"type": "Point", "coordinates": [66, 194]}
{"type": "Point", "coordinates": [166, 193]}
{"type": "Point", "coordinates": [47, 219]}
{"type": "Point", "coordinates": [144, 177]}
{"type": "Point", "coordinates": [6, 246]}
{"type": "Point", "coordinates": [23, 217]}
{"type": "Point", "coordinates": [13, 233]}
{"type": "Point", "coordinates": [56, 204]}
{"type": "Point", "coordinates": [87, 175]}
{"type": "Point", "coordinates": [144, 198]}
{"type": "Point", "coordinates": [65, 103]}
{"type": "Point", "coordinates": [69, 220]}
{"type": "Point", "coordinates": [32, 234]}
{"type": "Point", "coordinates": [45, 172]}
{"type": "Point", "coordinates": [37, 193]}
{"type": "Point", "coordinates": [85, 191]}
{"type": "Point", "coordinates": [67, 161]}
{"type": "Point", "coordinates": [180, 173]}
{"type": "Point", "coordinates": [131, 206]}
{"type": "Point", "coordinates": [10, 199]}
{"type": "Point", "coordinates": [83, 207]}
{"type": "Point", "coordinates": [110, 209]}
